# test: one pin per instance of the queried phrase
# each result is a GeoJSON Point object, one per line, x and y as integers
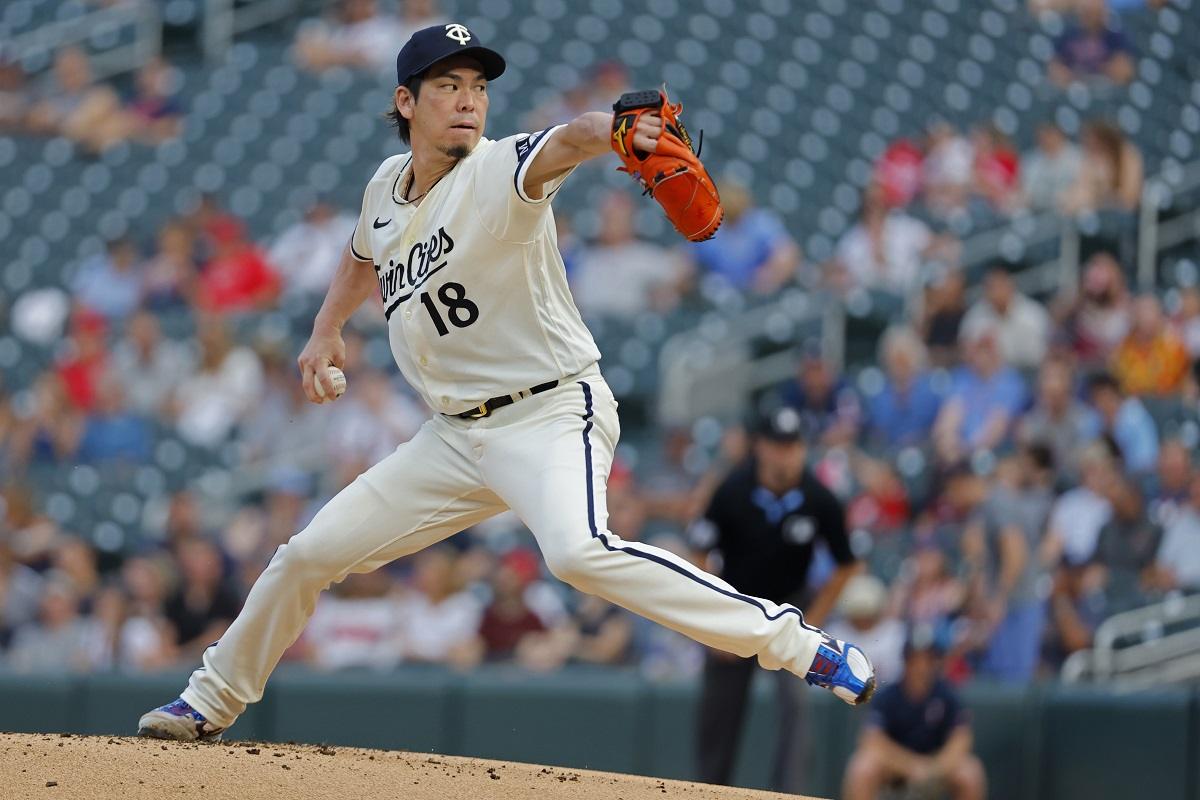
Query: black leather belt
{"type": "Point", "coordinates": [484, 409]}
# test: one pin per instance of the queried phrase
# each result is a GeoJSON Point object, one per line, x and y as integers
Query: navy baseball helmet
{"type": "Point", "coordinates": [430, 45]}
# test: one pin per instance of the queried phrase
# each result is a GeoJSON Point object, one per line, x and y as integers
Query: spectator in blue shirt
{"type": "Point", "coordinates": [1091, 49]}
{"type": "Point", "coordinates": [904, 409]}
{"type": "Point", "coordinates": [110, 282]}
{"type": "Point", "coordinates": [918, 735]}
{"type": "Point", "coordinates": [830, 409]}
{"type": "Point", "coordinates": [752, 250]}
{"type": "Point", "coordinates": [1127, 421]}
{"type": "Point", "coordinates": [113, 433]}
{"type": "Point", "coordinates": [985, 397]}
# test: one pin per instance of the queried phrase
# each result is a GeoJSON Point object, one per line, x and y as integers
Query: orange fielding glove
{"type": "Point", "coordinates": [672, 174]}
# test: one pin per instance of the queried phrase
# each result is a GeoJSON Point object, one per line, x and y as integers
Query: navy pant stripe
{"type": "Point", "coordinates": [628, 548]}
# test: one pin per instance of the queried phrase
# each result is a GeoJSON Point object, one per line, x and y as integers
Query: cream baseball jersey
{"type": "Point", "coordinates": [473, 285]}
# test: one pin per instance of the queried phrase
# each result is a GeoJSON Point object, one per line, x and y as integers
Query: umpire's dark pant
{"type": "Point", "coordinates": [723, 702]}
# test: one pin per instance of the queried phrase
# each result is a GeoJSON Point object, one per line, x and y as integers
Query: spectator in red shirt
{"type": "Point", "coordinates": [87, 358]}
{"type": "Point", "coordinates": [509, 619]}
{"type": "Point", "coordinates": [898, 172]}
{"type": "Point", "coordinates": [238, 277]}
{"type": "Point", "coordinates": [996, 167]}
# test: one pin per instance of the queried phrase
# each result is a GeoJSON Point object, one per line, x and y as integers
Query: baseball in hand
{"type": "Point", "coordinates": [337, 378]}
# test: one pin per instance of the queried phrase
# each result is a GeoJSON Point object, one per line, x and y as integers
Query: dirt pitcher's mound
{"type": "Point", "coordinates": [69, 767]}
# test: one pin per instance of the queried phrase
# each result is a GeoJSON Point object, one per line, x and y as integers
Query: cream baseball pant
{"type": "Point", "coordinates": [546, 457]}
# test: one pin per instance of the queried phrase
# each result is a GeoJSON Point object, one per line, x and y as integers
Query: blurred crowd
{"type": "Point", "coordinates": [1011, 466]}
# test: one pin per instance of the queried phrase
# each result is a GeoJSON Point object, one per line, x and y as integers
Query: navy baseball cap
{"type": "Point", "coordinates": [782, 424]}
{"type": "Point", "coordinates": [430, 45]}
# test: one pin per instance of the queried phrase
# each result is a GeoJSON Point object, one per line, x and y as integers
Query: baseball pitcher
{"type": "Point", "coordinates": [458, 236]}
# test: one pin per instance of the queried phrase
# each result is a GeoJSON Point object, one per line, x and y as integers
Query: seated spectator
{"type": "Point", "coordinates": [862, 617]}
{"type": "Point", "coordinates": [1186, 321]}
{"type": "Point", "coordinates": [884, 250]}
{"type": "Point", "coordinates": [752, 250]}
{"type": "Point", "coordinates": [948, 171]}
{"type": "Point", "coordinates": [509, 620]}
{"type": "Point", "coordinates": [1059, 419]}
{"type": "Point", "coordinates": [71, 104]}
{"type": "Point", "coordinates": [898, 172]}
{"type": "Point", "coordinates": [14, 97]}
{"type": "Point", "coordinates": [148, 366]}
{"type": "Point", "coordinates": [1096, 317]}
{"type": "Point", "coordinates": [111, 282]}
{"type": "Point", "coordinates": [601, 632]}
{"type": "Point", "coordinates": [146, 640]}
{"type": "Point", "coordinates": [357, 623]}
{"type": "Point", "coordinates": [307, 253]}
{"type": "Point", "coordinates": [925, 591]}
{"type": "Point", "coordinates": [1077, 607]}
{"type": "Point", "coordinates": [20, 588]}
{"type": "Point", "coordinates": [440, 618]}
{"type": "Point", "coordinates": [1081, 513]}
{"type": "Point", "coordinates": [1091, 49]}
{"type": "Point", "coordinates": [1111, 175]}
{"type": "Point", "coordinates": [597, 632]}
{"type": "Point", "coordinates": [985, 398]}
{"type": "Point", "coordinates": [918, 735]}
{"type": "Point", "coordinates": [1048, 173]}
{"type": "Point", "coordinates": [169, 276]}
{"type": "Point", "coordinates": [113, 432]}
{"type": "Point", "coordinates": [204, 603]}
{"type": "Point", "coordinates": [620, 275]}
{"type": "Point", "coordinates": [1126, 550]}
{"type": "Point", "coordinates": [880, 504]}
{"type": "Point", "coordinates": [1127, 421]}
{"type": "Point", "coordinates": [209, 223]}
{"type": "Point", "coordinates": [1023, 325]}
{"type": "Point", "coordinates": [1152, 360]}
{"type": "Point", "coordinates": [225, 386]}
{"type": "Point", "coordinates": [359, 37]}
{"type": "Point", "coordinates": [942, 310]}
{"type": "Point", "coordinates": [238, 278]}
{"type": "Point", "coordinates": [85, 358]}
{"type": "Point", "coordinates": [995, 169]}
{"type": "Point", "coordinates": [369, 422]}
{"type": "Point", "coordinates": [903, 411]}
{"type": "Point", "coordinates": [1177, 564]}
{"type": "Point", "coordinates": [281, 428]}
{"type": "Point", "coordinates": [49, 433]}
{"type": "Point", "coordinates": [1170, 489]}
{"type": "Point", "coordinates": [78, 562]}
{"type": "Point", "coordinates": [153, 115]}
{"type": "Point", "coordinates": [62, 640]}
{"type": "Point", "coordinates": [829, 409]}
{"type": "Point", "coordinates": [1000, 546]}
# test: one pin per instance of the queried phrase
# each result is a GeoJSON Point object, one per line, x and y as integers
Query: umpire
{"type": "Point", "coordinates": [759, 534]}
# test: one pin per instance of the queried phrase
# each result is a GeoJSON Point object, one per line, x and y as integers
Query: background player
{"type": "Point", "coordinates": [482, 325]}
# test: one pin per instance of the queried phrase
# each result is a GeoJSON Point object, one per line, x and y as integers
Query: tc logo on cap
{"type": "Point", "coordinates": [458, 33]}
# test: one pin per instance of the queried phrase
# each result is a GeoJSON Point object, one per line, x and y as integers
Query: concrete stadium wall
{"type": "Point", "coordinates": [1049, 743]}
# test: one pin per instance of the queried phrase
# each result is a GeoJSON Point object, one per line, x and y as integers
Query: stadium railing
{"type": "Point", "coordinates": [1146, 648]}
{"type": "Point", "coordinates": [141, 17]}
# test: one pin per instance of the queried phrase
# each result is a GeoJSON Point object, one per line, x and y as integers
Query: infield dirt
{"type": "Point", "coordinates": [70, 767]}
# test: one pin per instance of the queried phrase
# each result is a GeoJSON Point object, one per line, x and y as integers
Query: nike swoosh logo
{"type": "Point", "coordinates": [377, 224]}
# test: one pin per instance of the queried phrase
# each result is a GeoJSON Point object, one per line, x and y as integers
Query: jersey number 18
{"type": "Point", "coordinates": [462, 312]}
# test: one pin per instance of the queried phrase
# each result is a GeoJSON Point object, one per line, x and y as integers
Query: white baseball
{"type": "Point", "coordinates": [337, 378]}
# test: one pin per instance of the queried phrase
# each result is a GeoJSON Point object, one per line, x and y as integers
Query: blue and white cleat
{"type": "Point", "coordinates": [843, 669]}
{"type": "Point", "coordinates": [178, 721]}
